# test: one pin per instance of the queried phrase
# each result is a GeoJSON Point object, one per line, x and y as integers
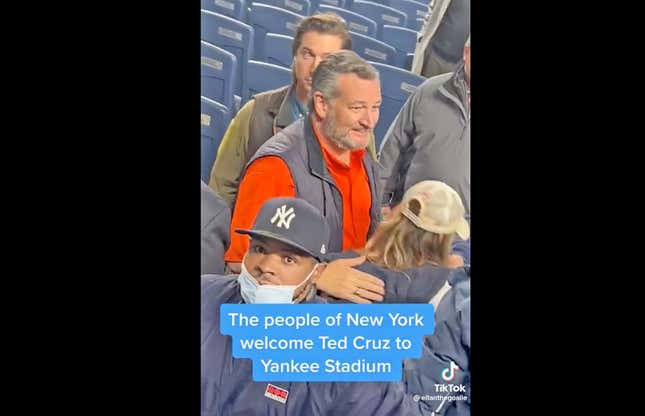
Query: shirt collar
{"type": "Point", "coordinates": [297, 109]}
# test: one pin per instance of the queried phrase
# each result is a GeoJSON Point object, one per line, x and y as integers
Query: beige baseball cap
{"type": "Point", "coordinates": [441, 210]}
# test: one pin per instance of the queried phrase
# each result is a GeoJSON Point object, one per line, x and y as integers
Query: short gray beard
{"type": "Point", "coordinates": [340, 137]}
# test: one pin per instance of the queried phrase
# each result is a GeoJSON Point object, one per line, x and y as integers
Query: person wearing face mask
{"type": "Point", "coordinates": [283, 268]}
{"type": "Point", "coordinates": [282, 265]}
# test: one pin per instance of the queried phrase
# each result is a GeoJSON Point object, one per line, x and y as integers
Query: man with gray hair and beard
{"type": "Point", "coordinates": [322, 159]}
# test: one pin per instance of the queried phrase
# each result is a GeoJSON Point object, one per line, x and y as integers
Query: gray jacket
{"type": "Point", "coordinates": [216, 221]}
{"type": "Point", "coordinates": [297, 146]}
{"type": "Point", "coordinates": [429, 139]}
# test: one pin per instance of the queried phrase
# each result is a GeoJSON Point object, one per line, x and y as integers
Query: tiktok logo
{"type": "Point", "coordinates": [449, 373]}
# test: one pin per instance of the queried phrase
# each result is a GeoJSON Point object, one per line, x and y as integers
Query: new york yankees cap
{"type": "Point", "coordinates": [294, 222]}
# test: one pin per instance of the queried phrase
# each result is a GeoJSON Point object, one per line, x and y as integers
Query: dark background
{"type": "Point", "coordinates": [101, 207]}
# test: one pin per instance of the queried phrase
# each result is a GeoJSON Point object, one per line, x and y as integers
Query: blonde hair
{"type": "Point", "coordinates": [398, 244]}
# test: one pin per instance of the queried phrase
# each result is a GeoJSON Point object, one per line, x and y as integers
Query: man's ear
{"type": "Point", "coordinates": [318, 272]}
{"type": "Point", "coordinates": [320, 105]}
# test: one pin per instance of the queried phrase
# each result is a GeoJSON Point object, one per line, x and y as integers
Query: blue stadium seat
{"type": "Point", "coordinates": [301, 7]}
{"type": "Point", "coordinates": [218, 74]}
{"type": "Point", "coordinates": [232, 8]}
{"type": "Point", "coordinates": [416, 25]}
{"type": "Point", "coordinates": [263, 77]}
{"type": "Point", "coordinates": [343, 4]}
{"type": "Point", "coordinates": [382, 15]}
{"type": "Point", "coordinates": [408, 61]}
{"type": "Point", "coordinates": [396, 86]}
{"type": "Point", "coordinates": [356, 23]}
{"type": "Point", "coordinates": [214, 120]}
{"type": "Point", "coordinates": [383, 2]}
{"type": "Point", "coordinates": [277, 50]}
{"type": "Point", "coordinates": [404, 40]}
{"type": "Point", "coordinates": [270, 19]}
{"type": "Point", "coordinates": [232, 35]}
{"type": "Point", "coordinates": [413, 9]}
{"type": "Point", "coordinates": [372, 49]}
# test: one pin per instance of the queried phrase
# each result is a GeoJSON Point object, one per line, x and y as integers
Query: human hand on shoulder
{"type": "Point", "coordinates": [342, 281]}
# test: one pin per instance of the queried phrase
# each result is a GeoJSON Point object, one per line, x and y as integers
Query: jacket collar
{"type": "Point", "coordinates": [459, 274]}
{"type": "Point", "coordinates": [318, 168]}
{"type": "Point", "coordinates": [281, 112]}
{"type": "Point", "coordinates": [314, 153]}
{"type": "Point", "coordinates": [456, 90]}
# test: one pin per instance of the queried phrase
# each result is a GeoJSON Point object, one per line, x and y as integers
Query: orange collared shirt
{"type": "Point", "coordinates": [354, 187]}
{"type": "Point", "coordinates": [269, 177]}
{"type": "Point", "coordinates": [266, 178]}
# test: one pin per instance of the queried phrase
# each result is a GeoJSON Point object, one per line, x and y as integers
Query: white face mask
{"type": "Point", "coordinates": [253, 292]}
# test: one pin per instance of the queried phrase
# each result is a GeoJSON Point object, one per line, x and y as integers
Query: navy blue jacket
{"type": "Point", "coordinates": [449, 342]}
{"type": "Point", "coordinates": [228, 389]}
{"type": "Point", "coordinates": [416, 285]}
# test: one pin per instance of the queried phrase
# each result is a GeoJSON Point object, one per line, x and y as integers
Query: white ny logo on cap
{"type": "Point", "coordinates": [283, 216]}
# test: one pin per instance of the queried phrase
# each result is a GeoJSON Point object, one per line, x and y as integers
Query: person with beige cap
{"type": "Point", "coordinates": [420, 229]}
{"type": "Point", "coordinates": [411, 251]}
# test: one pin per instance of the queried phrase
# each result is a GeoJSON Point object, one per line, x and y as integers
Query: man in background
{"type": "Point", "coordinates": [269, 112]}
{"type": "Point", "coordinates": [441, 40]}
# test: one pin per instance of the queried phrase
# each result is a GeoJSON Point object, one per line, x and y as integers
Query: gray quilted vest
{"type": "Point", "coordinates": [297, 146]}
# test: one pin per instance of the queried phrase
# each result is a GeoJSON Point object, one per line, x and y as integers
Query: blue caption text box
{"type": "Point", "coordinates": [323, 342]}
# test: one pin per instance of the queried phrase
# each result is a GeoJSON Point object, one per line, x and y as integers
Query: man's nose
{"type": "Point", "coordinates": [314, 64]}
{"type": "Point", "coordinates": [267, 267]}
{"type": "Point", "coordinates": [369, 119]}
